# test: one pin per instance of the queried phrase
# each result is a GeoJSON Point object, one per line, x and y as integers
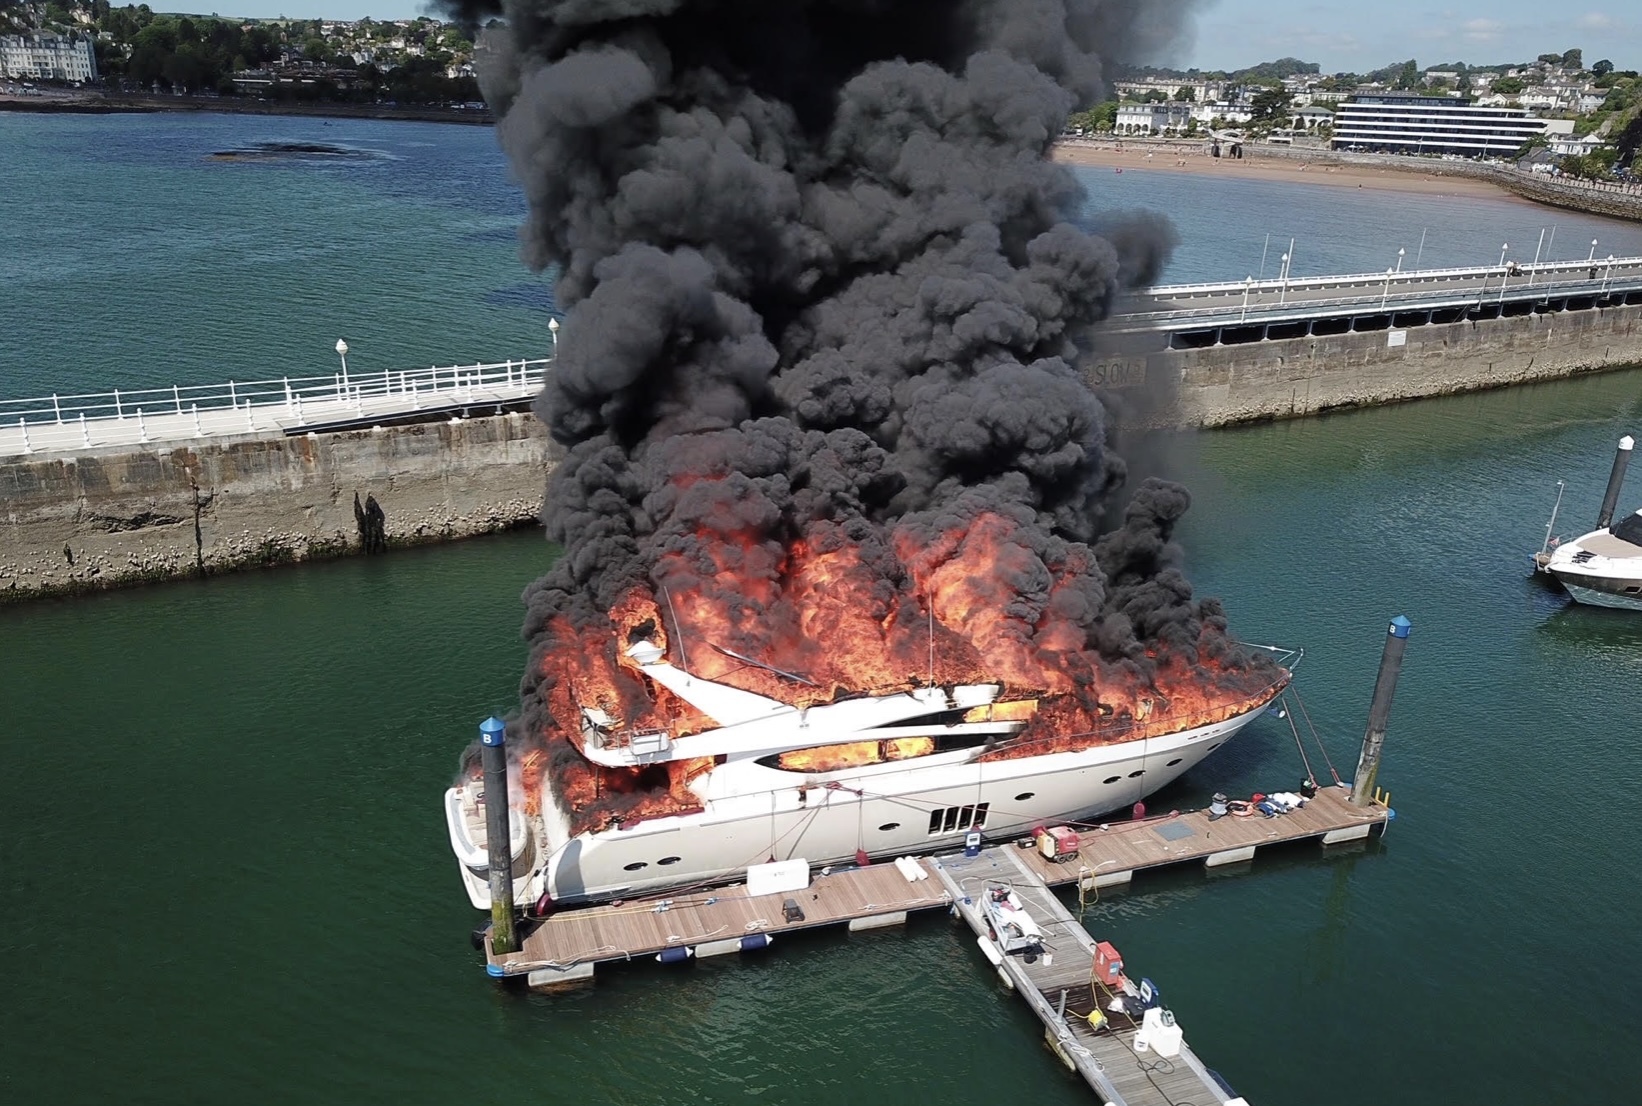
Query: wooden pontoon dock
{"type": "Point", "coordinates": [565, 947]}
{"type": "Point", "coordinates": [1061, 988]}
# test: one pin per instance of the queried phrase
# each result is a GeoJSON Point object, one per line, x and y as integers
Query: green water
{"type": "Point", "coordinates": [225, 877]}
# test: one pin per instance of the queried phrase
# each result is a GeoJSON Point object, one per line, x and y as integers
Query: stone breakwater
{"type": "Point", "coordinates": [112, 517]}
{"type": "Point", "coordinates": [1223, 385]}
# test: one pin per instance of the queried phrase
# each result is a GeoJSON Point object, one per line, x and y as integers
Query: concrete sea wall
{"type": "Point", "coordinates": [105, 518]}
{"type": "Point", "coordinates": [1222, 385]}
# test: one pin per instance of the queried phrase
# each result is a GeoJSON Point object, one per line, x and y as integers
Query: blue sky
{"type": "Point", "coordinates": [1356, 36]}
{"type": "Point", "coordinates": [1361, 36]}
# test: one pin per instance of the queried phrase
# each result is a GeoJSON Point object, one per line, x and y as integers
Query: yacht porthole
{"type": "Point", "coordinates": [1174, 762]}
{"type": "Point", "coordinates": [1215, 746]}
{"type": "Point", "coordinates": [669, 860]}
{"type": "Point", "coordinates": [1137, 773]}
{"type": "Point", "coordinates": [635, 866]}
{"type": "Point", "coordinates": [1111, 779]}
{"type": "Point", "coordinates": [887, 826]}
{"type": "Point", "coordinates": [1024, 795]}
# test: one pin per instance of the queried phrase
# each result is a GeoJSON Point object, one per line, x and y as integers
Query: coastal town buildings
{"type": "Point", "coordinates": [47, 57]}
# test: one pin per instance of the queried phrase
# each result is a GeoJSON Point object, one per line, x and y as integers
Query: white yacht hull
{"type": "Point", "coordinates": [754, 814]}
{"type": "Point", "coordinates": [1596, 597]}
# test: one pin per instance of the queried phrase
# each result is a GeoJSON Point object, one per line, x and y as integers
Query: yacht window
{"type": "Point", "coordinates": [1137, 773]}
{"type": "Point", "coordinates": [1174, 762]}
{"type": "Point", "coordinates": [669, 860]}
{"type": "Point", "coordinates": [635, 866]}
{"type": "Point", "coordinates": [1111, 779]}
{"type": "Point", "coordinates": [957, 819]}
{"type": "Point", "coordinates": [1024, 795]}
{"type": "Point", "coordinates": [887, 826]}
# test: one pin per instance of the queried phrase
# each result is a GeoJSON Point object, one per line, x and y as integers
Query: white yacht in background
{"type": "Point", "coordinates": [1604, 567]}
{"type": "Point", "coordinates": [952, 771]}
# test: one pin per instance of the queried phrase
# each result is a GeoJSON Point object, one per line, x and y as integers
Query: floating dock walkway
{"type": "Point", "coordinates": [566, 947]}
{"type": "Point", "coordinates": [1062, 988]}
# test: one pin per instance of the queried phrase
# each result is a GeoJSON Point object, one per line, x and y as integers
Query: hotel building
{"type": "Point", "coordinates": [46, 57]}
{"type": "Point", "coordinates": [1399, 124]}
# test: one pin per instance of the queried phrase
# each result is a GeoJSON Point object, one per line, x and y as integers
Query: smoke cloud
{"type": "Point", "coordinates": [817, 379]}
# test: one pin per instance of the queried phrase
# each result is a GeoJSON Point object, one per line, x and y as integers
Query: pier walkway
{"type": "Point", "coordinates": [1302, 303]}
{"type": "Point", "coordinates": [1184, 316]}
{"type": "Point", "coordinates": [272, 408]}
{"type": "Point", "coordinates": [1063, 990]}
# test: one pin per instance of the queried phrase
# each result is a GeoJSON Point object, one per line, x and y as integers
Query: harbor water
{"type": "Point", "coordinates": [223, 866]}
{"type": "Point", "coordinates": [132, 256]}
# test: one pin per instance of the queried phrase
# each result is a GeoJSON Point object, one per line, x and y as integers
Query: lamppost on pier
{"type": "Point", "coordinates": [1606, 274]}
{"type": "Point", "coordinates": [1385, 293]}
{"type": "Point", "coordinates": [1400, 252]}
{"type": "Point", "coordinates": [342, 352]}
{"type": "Point", "coordinates": [1592, 256]}
{"type": "Point", "coordinates": [1282, 295]}
{"type": "Point", "coordinates": [1248, 286]}
{"type": "Point", "coordinates": [553, 329]}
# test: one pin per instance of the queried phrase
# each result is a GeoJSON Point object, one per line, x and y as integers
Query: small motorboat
{"type": "Point", "coordinates": [1013, 928]}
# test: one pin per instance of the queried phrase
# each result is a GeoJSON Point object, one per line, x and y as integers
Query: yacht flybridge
{"type": "Point", "coordinates": [753, 725]}
{"type": "Point", "coordinates": [864, 776]}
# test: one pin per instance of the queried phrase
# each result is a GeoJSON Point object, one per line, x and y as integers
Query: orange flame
{"type": "Point", "coordinates": [975, 604]}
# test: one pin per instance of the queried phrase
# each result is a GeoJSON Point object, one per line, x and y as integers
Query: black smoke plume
{"type": "Point", "coordinates": [824, 286]}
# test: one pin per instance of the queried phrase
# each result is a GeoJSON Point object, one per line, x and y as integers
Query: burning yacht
{"type": "Point", "coordinates": [861, 777]}
{"type": "Point", "coordinates": [842, 569]}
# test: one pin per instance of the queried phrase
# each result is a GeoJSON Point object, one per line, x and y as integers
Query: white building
{"type": "Point", "coordinates": [47, 57]}
{"type": "Point", "coordinates": [1162, 118]}
{"type": "Point", "coordinates": [1565, 145]}
{"type": "Point", "coordinates": [1406, 124]}
{"type": "Point", "coordinates": [1229, 114]}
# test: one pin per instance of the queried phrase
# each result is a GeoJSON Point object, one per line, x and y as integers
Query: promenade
{"type": "Point", "coordinates": [156, 416]}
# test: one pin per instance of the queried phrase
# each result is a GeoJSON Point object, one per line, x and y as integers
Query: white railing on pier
{"type": "Point", "coordinates": [142, 415]}
{"type": "Point", "coordinates": [1548, 271]}
{"type": "Point", "coordinates": [433, 386]}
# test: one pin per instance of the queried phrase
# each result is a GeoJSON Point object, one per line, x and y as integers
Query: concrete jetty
{"type": "Point", "coordinates": [97, 494]}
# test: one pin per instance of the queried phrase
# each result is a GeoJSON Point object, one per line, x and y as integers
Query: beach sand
{"type": "Point", "coordinates": [1293, 170]}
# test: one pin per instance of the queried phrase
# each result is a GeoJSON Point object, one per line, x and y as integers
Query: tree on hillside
{"type": "Point", "coordinates": [1277, 70]}
{"type": "Point", "coordinates": [1408, 75]}
{"type": "Point", "coordinates": [1626, 144]}
{"type": "Point", "coordinates": [1597, 163]}
{"type": "Point", "coordinates": [1508, 86]}
{"type": "Point", "coordinates": [1270, 105]}
{"type": "Point", "coordinates": [1602, 68]}
{"type": "Point", "coordinates": [1186, 94]}
{"type": "Point", "coordinates": [1549, 59]}
{"type": "Point", "coordinates": [12, 16]}
{"type": "Point", "coordinates": [1573, 59]}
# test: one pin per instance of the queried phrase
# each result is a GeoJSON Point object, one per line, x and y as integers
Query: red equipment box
{"type": "Point", "coordinates": [1108, 964]}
